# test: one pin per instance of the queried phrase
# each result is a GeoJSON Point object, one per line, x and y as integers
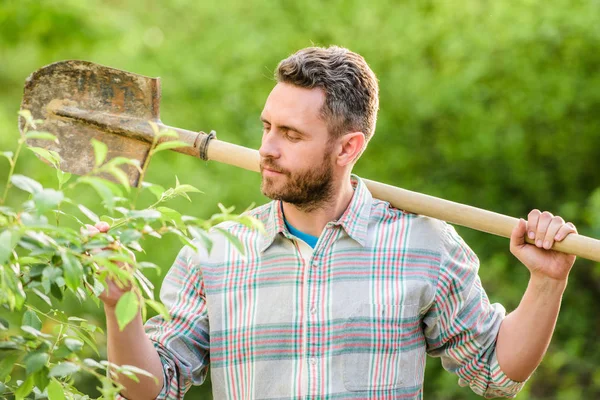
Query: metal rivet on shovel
{"type": "Point", "coordinates": [79, 100]}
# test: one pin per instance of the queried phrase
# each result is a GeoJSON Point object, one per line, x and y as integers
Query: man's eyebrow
{"type": "Point", "coordinates": [285, 127]}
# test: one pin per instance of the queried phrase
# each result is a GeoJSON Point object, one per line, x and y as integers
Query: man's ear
{"type": "Point", "coordinates": [351, 145]}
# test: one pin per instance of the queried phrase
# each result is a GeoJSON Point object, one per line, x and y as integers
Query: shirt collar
{"type": "Point", "coordinates": [355, 220]}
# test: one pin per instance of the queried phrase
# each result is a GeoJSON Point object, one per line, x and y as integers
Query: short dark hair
{"type": "Point", "coordinates": [350, 86]}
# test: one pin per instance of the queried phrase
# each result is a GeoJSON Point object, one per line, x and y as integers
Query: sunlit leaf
{"type": "Point", "coordinates": [49, 155]}
{"type": "Point", "coordinates": [127, 309]}
{"type": "Point", "coordinates": [41, 135]}
{"type": "Point", "coordinates": [25, 183]}
{"type": "Point", "coordinates": [55, 390]}
{"type": "Point", "coordinates": [7, 363]}
{"type": "Point", "coordinates": [35, 362]}
{"type": "Point", "coordinates": [203, 237]}
{"type": "Point", "coordinates": [100, 151]}
{"type": "Point", "coordinates": [73, 270]}
{"type": "Point", "coordinates": [30, 318]}
{"type": "Point", "coordinates": [167, 133]}
{"type": "Point", "coordinates": [73, 344]}
{"type": "Point", "coordinates": [63, 369]}
{"type": "Point", "coordinates": [234, 240]}
{"type": "Point", "coordinates": [88, 213]}
{"type": "Point", "coordinates": [169, 145]}
{"type": "Point", "coordinates": [47, 199]}
{"type": "Point", "coordinates": [145, 214]}
{"type": "Point", "coordinates": [6, 246]}
{"type": "Point", "coordinates": [25, 388]}
{"type": "Point", "coordinates": [159, 308]}
{"type": "Point", "coordinates": [63, 177]}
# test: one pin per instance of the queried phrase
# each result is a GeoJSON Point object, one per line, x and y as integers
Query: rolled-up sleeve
{"type": "Point", "coordinates": [461, 326]}
{"type": "Point", "coordinates": [182, 342]}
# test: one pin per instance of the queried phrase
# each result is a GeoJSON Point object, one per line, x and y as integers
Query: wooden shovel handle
{"type": "Point", "coordinates": [418, 203]}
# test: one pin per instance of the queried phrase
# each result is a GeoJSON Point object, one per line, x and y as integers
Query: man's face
{"type": "Point", "coordinates": [296, 153]}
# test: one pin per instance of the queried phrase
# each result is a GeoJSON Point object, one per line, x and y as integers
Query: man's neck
{"type": "Point", "coordinates": [313, 222]}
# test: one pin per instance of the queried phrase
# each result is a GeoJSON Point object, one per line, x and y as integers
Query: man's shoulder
{"type": "Point", "coordinates": [419, 232]}
{"type": "Point", "coordinates": [383, 212]}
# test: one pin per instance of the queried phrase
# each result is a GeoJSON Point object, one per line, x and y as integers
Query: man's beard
{"type": "Point", "coordinates": [307, 190]}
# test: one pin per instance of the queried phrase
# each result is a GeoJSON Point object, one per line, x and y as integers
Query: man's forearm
{"type": "Point", "coordinates": [526, 332]}
{"type": "Point", "coordinates": [133, 347]}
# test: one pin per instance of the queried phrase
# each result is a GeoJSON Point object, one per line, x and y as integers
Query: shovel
{"type": "Point", "coordinates": [80, 100]}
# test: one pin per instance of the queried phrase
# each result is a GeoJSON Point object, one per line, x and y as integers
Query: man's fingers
{"type": "Point", "coordinates": [555, 224]}
{"type": "Point", "coordinates": [532, 221]}
{"type": "Point", "coordinates": [565, 230]}
{"type": "Point", "coordinates": [543, 224]}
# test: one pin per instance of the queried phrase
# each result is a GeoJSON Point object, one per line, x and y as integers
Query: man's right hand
{"type": "Point", "coordinates": [111, 295]}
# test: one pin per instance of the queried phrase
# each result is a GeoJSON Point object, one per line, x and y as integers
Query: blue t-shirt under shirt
{"type": "Point", "coordinates": [309, 239]}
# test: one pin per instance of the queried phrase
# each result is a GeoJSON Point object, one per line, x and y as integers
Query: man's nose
{"type": "Point", "coordinates": [269, 146]}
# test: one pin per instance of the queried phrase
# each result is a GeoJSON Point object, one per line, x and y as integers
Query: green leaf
{"type": "Point", "coordinates": [138, 371]}
{"type": "Point", "coordinates": [181, 190]}
{"type": "Point", "coordinates": [63, 177]}
{"type": "Point", "coordinates": [55, 390]}
{"type": "Point", "coordinates": [120, 176]}
{"type": "Point", "coordinates": [201, 235]}
{"type": "Point", "coordinates": [91, 363]}
{"type": "Point", "coordinates": [159, 308]}
{"type": "Point", "coordinates": [76, 319]}
{"type": "Point", "coordinates": [7, 363]}
{"type": "Point", "coordinates": [41, 135]}
{"type": "Point", "coordinates": [49, 155]}
{"type": "Point", "coordinates": [73, 344]}
{"type": "Point", "coordinates": [169, 213]}
{"type": "Point", "coordinates": [167, 133]}
{"type": "Point", "coordinates": [127, 309]}
{"type": "Point", "coordinates": [114, 162]}
{"type": "Point", "coordinates": [156, 190]}
{"type": "Point", "coordinates": [169, 145]}
{"type": "Point", "coordinates": [63, 369]}
{"type": "Point", "coordinates": [100, 151]}
{"type": "Point", "coordinates": [26, 114]}
{"type": "Point", "coordinates": [252, 223]}
{"type": "Point", "coordinates": [129, 235]}
{"type": "Point", "coordinates": [42, 296]}
{"type": "Point", "coordinates": [25, 183]}
{"type": "Point", "coordinates": [40, 378]}
{"type": "Point", "coordinates": [25, 388]}
{"type": "Point", "coordinates": [35, 362]}
{"type": "Point", "coordinates": [6, 246]}
{"type": "Point", "coordinates": [73, 271]}
{"type": "Point", "coordinates": [8, 155]}
{"type": "Point", "coordinates": [102, 188]}
{"type": "Point", "coordinates": [233, 239]}
{"type": "Point", "coordinates": [8, 345]}
{"type": "Point", "coordinates": [88, 213]}
{"type": "Point", "coordinates": [147, 214]}
{"type": "Point", "coordinates": [47, 199]}
{"type": "Point", "coordinates": [30, 318]}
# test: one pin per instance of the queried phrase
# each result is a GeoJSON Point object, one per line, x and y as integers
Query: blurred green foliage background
{"type": "Point", "coordinates": [493, 104]}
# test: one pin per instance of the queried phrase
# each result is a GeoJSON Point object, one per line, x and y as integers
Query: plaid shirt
{"type": "Point", "coordinates": [353, 319]}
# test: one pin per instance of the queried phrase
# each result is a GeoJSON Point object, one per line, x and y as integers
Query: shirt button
{"type": "Point", "coordinates": [313, 310]}
{"type": "Point", "coordinates": [312, 361]}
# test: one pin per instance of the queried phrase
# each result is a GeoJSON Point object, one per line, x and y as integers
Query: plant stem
{"type": "Point", "coordinates": [12, 170]}
{"type": "Point", "coordinates": [143, 173]}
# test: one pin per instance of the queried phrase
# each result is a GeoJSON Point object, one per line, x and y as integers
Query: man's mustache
{"type": "Point", "coordinates": [269, 164]}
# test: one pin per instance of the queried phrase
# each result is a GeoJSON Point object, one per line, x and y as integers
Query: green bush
{"type": "Point", "coordinates": [42, 346]}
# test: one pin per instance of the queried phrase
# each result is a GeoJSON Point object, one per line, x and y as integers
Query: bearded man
{"type": "Point", "coordinates": [345, 295]}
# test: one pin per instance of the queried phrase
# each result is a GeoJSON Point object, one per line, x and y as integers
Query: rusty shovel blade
{"type": "Point", "coordinates": [79, 101]}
